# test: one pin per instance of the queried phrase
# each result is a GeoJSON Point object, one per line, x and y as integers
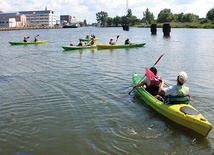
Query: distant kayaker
{"type": "Point", "coordinates": [80, 43]}
{"type": "Point", "coordinates": [25, 39]}
{"type": "Point", "coordinates": [92, 36]}
{"type": "Point", "coordinates": [127, 41]}
{"type": "Point", "coordinates": [111, 42]}
{"type": "Point", "coordinates": [36, 38]}
{"type": "Point", "coordinates": [92, 42]}
{"type": "Point", "coordinates": [151, 84]}
{"type": "Point", "coordinates": [178, 90]}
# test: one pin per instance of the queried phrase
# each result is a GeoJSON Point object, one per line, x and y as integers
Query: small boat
{"type": "Point", "coordinates": [88, 39]}
{"type": "Point", "coordinates": [108, 46]}
{"type": "Point", "coordinates": [182, 113]}
{"type": "Point", "coordinates": [78, 47]}
{"type": "Point", "coordinates": [27, 43]}
{"type": "Point", "coordinates": [73, 25]}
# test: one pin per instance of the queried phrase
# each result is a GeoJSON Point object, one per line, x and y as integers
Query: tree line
{"type": "Point", "coordinates": [164, 15]}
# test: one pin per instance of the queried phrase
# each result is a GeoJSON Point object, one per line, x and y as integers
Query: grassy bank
{"type": "Point", "coordinates": [209, 25]}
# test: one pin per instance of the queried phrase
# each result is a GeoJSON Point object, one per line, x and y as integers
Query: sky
{"type": "Point", "coordinates": [87, 9]}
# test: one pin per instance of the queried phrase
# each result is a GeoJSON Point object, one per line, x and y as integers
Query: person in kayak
{"type": "Point", "coordinates": [92, 42]}
{"type": "Point", "coordinates": [151, 84]}
{"type": "Point", "coordinates": [36, 38]}
{"type": "Point", "coordinates": [25, 39]}
{"type": "Point", "coordinates": [178, 92]}
{"type": "Point", "coordinates": [111, 42]}
{"type": "Point", "coordinates": [80, 43]}
{"type": "Point", "coordinates": [127, 41]}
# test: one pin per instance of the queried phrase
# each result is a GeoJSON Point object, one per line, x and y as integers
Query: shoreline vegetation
{"type": "Point", "coordinates": [185, 25]}
{"type": "Point", "coordinates": [159, 25]}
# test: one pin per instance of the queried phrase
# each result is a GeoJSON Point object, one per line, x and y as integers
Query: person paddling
{"type": "Point", "coordinates": [178, 92]}
{"type": "Point", "coordinates": [26, 38]}
{"type": "Point", "coordinates": [127, 41]}
{"type": "Point", "coordinates": [111, 42]}
{"type": "Point", "coordinates": [80, 43]}
{"type": "Point", "coordinates": [151, 81]}
{"type": "Point", "coordinates": [36, 38]}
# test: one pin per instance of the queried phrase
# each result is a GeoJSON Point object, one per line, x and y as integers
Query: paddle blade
{"type": "Point", "coordinates": [158, 60]}
{"type": "Point", "coordinates": [118, 36]}
{"type": "Point", "coordinates": [150, 74]}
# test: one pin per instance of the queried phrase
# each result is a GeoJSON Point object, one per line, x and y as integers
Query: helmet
{"type": "Point", "coordinates": [182, 77]}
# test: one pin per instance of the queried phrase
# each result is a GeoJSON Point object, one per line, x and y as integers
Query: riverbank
{"type": "Point", "coordinates": [27, 28]}
{"type": "Point", "coordinates": [184, 25]}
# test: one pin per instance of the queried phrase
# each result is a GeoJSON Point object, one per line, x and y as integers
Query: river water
{"type": "Point", "coordinates": [56, 102]}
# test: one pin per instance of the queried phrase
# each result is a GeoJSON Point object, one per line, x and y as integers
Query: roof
{"type": "Point", "coordinates": [10, 14]}
{"type": "Point", "coordinates": [37, 12]}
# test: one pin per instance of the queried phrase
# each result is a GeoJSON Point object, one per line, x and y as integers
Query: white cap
{"type": "Point", "coordinates": [182, 77]}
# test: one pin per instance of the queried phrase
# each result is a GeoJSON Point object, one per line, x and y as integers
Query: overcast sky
{"type": "Point", "coordinates": [87, 9]}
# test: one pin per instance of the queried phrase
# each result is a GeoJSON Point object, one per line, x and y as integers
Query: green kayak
{"type": "Point", "coordinates": [180, 113]}
{"type": "Point", "coordinates": [108, 46]}
{"type": "Point", "coordinates": [78, 47]}
{"type": "Point", "coordinates": [88, 39]}
{"type": "Point", "coordinates": [27, 43]}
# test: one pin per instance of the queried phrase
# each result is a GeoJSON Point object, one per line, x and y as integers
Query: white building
{"type": "Point", "coordinates": [40, 18]}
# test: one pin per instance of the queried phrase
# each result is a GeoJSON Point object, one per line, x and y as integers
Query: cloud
{"type": "Point", "coordinates": [87, 9]}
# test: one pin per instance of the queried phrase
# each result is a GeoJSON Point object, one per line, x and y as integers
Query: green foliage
{"type": "Point", "coordinates": [109, 21]}
{"type": "Point", "coordinates": [102, 17]}
{"type": "Point", "coordinates": [180, 20]}
{"type": "Point", "coordinates": [116, 21]}
{"type": "Point", "coordinates": [165, 15]}
{"type": "Point", "coordinates": [85, 22]}
{"type": "Point", "coordinates": [148, 17]}
{"type": "Point", "coordinates": [210, 14]}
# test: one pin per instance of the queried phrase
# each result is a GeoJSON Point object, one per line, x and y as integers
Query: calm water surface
{"type": "Point", "coordinates": [56, 102]}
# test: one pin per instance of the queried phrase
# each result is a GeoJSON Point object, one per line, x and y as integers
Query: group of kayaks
{"type": "Point", "coordinates": [101, 46]}
{"type": "Point", "coordinates": [85, 46]}
{"type": "Point", "coordinates": [104, 46]}
{"type": "Point", "coordinates": [183, 114]}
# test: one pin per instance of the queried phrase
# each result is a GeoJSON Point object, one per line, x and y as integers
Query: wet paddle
{"type": "Point", "coordinates": [117, 38]}
{"type": "Point", "coordinates": [144, 75]}
{"type": "Point", "coordinates": [35, 38]}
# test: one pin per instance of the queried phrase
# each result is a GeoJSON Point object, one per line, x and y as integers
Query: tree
{"type": "Point", "coordinates": [179, 17]}
{"type": "Point", "coordinates": [109, 21]}
{"type": "Point", "coordinates": [116, 20]}
{"type": "Point", "coordinates": [189, 17]}
{"type": "Point", "coordinates": [210, 14]}
{"type": "Point", "coordinates": [124, 20]}
{"type": "Point", "coordinates": [102, 17]}
{"type": "Point", "coordinates": [165, 15]}
{"type": "Point", "coordinates": [148, 17]}
{"type": "Point", "coordinates": [85, 22]}
{"type": "Point", "coordinates": [129, 13]}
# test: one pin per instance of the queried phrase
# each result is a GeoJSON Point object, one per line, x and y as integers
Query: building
{"type": "Point", "coordinates": [29, 19]}
{"type": "Point", "coordinates": [67, 19]}
{"type": "Point", "coordinates": [40, 18]}
{"type": "Point", "coordinates": [12, 20]}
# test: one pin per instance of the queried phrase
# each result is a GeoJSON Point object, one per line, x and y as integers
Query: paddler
{"type": "Point", "coordinates": [151, 84]}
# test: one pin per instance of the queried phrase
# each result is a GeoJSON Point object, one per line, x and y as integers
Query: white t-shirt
{"type": "Point", "coordinates": [171, 90]}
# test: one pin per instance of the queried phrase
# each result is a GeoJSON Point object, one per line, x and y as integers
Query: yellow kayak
{"type": "Point", "coordinates": [108, 46]}
{"type": "Point", "coordinates": [182, 113]}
